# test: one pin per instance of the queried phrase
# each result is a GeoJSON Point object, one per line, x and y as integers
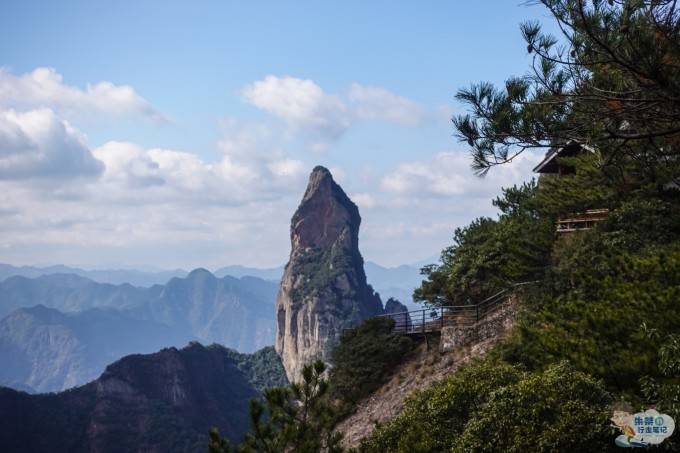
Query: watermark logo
{"type": "Point", "coordinates": [643, 428]}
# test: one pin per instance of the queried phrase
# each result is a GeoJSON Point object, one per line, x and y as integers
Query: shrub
{"type": "Point", "coordinates": [434, 418]}
{"type": "Point", "coordinates": [592, 312]}
{"type": "Point", "coordinates": [492, 406]}
{"type": "Point", "coordinates": [558, 410]}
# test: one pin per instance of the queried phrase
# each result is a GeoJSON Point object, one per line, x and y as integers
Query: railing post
{"type": "Point", "coordinates": [477, 310]}
{"type": "Point", "coordinates": [441, 317]}
{"type": "Point", "coordinates": [423, 321]}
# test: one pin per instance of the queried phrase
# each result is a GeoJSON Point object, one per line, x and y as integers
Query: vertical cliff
{"type": "Point", "coordinates": [323, 288]}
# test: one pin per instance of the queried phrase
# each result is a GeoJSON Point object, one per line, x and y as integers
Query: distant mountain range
{"type": "Point", "coordinates": [390, 282]}
{"type": "Point", "coordinates": [59, 330]}
{"type": "Point", "coordinates": [397, 282]}
{"type": "Point", "coordinates": [132, 276]}
{"type": "Point", "coordinates": [112, 276]}
{"type": "Point", "coordinates": [79, 325]}
{"type": "Point", "coordinates": [272, 273]}
{"type": "Point", "coordinates": [48, 350]}
{"type": "Point", "coordinates": [70, 292]}
{"type": "Point", "coordinates": [159, 402]}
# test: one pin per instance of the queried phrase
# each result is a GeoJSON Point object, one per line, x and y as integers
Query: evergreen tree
{"type": "Point", "coordinates": [489, 255]}
{"type": "Point", "coordinates": [610, 80]}
{"type": "Point", "coordinates": [299, 418]}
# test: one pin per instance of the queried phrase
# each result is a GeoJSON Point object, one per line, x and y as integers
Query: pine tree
{"type": "Point", "coordinates": [299, 418]}
{"type": "Point", "coordinates": [610, 80]}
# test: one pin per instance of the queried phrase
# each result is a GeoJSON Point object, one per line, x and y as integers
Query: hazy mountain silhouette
{"type": "Point", "coordinates": [81, 325]}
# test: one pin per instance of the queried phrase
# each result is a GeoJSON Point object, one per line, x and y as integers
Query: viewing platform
{"type": "Point", "coordinates": [435, 319]}
{"type": "Point", "coordinates": [582, 220]}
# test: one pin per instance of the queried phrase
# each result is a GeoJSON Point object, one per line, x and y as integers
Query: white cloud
{"type": "Point", "coordinates": [364, 200]}
{"type": "Point", "coordinates": [448, 174]}
{"type": "Point", "coordinates": [173, 208]}
{"type": "Point", "coordinates": [157, 204]}
{"type": "Point", "coordinates": [307, 109]}
{"type": "Point", "coordinates": [138, 175]}
{"type": "Point", "coordinates": [419, 203]}
{"type": "Point", "coordinates": [286, 167]}
{"type": "Point", "coordinates": [377, 103]}
{"type": "Point", "coordinates": [301, 103]}
{"type": "Point", "coordinates": [44, 87]}
{"type": "Point", "coordinates": [37, 144]}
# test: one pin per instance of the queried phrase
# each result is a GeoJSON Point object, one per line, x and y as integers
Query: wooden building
{"type": "Point", "coordinates": [550, 166]}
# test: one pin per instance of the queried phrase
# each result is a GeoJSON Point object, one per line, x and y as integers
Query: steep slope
{"type": "Point", "coordinates": [419, 371]}
{"type": "Point", "coordinates": [323, 288]}
{"type": "Point", "coordinates": [162, 402]}
{"type": "Point", "coordinates": [48, 350]}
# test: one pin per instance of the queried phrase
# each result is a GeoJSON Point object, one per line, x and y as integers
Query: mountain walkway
{"type": "Point", "coordinates": [434, 319]}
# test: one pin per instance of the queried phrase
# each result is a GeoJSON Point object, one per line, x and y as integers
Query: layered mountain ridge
{"type": "Point", "coordinates": [48, 350]}
{"type": "Point", "coordinates": [158, 402]}
{"type": "Point", "coordinates": [80, 326]}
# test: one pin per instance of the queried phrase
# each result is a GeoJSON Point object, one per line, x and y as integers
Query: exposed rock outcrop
{"type": "Point", "coordinates": [393, 306]}
{"type": "Point", "coordinates": [399, 312]}
{"type": "Point", "coordinates": [323, 289]}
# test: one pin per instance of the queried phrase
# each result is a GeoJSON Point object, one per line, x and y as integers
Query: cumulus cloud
{"type": "Point", "coordinates": [301, 103]}
{"type": "Point", "coordinates": [307, 109]}
{"type": "Point", "coordinates": [45, 87]}
{"type": "Point", "coordinates": [37, 144]}
{"type": "Point", "coordinates": [448, 174]}
{"type": "Point", "coordinates": [133, 203]}
{"type": "Point", "coordinates": [139, 175]}
{"type": "Point", "coordinates": [377, 103]}
{"type": "Point", "coordinates": [233, 209]}
{"type": "Point", "coordinates": [413, 209]}
{"type": "Point", "coordinates": [286, 168]}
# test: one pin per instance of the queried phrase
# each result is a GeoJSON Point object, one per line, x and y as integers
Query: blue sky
{"type": "Point", "coordinates": [202, 119]}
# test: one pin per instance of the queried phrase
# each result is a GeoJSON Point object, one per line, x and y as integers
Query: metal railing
{"type": "Point", "coordinates": [434, 319]}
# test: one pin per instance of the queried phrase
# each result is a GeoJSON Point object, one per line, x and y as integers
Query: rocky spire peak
{"type": "Point", "coordinates": [324, 213]}
{"type": "Point", "coordinates": [324, 287]}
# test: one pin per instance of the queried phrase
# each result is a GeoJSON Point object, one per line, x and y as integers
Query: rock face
{"type": "Point", "coordinates": [323, 289]}
{"type": "Point", "coordinates": [393, 306]}
{"type": "Point", "coordinates": [398, 312]}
